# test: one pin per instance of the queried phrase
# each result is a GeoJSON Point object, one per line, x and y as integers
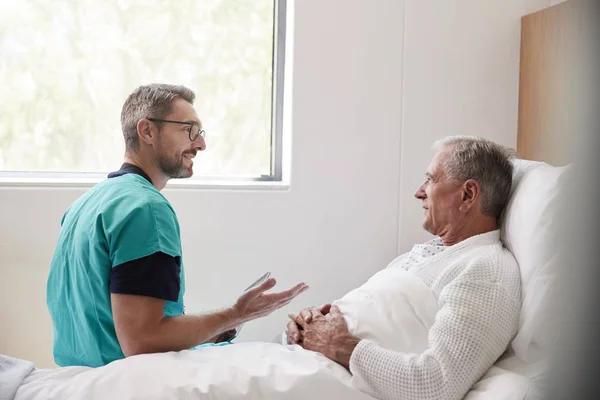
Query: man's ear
{"type": "Point", "coordinates": [146, 131]}
{"type": "Point", "coordinates": [471, 191]}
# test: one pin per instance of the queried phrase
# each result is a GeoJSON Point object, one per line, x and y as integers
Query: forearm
{"type": "Point", "coordinates": [141, 326]}
{"type": "Point", "coordinates": [183, 332]}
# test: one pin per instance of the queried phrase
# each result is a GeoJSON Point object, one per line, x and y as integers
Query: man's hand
{"type": "Point", "coordinates": [255, 303]}
{"type": "Point", "coordinates": [329, 336]}
{"type": "Point", "coordinates": [306, 314]}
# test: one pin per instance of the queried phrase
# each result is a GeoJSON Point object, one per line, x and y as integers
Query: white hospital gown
{"type": "Point", "coordinates": [418, 253]}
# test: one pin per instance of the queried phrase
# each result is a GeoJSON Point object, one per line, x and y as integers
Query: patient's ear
{"type": "Point", "coordinates": [471, 192]}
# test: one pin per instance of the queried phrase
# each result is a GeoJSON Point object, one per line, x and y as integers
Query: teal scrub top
{"type": "Point", "coordinates": [119, 220]}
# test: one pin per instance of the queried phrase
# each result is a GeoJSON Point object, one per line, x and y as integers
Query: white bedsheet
{"type": "Point", "coordinates": [239, 371]}
{"type": "Point", "coordinates": [394, 309]}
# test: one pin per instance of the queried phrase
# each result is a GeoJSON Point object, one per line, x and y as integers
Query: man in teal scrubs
{"type": "Point", "coordinates": [116, 280]}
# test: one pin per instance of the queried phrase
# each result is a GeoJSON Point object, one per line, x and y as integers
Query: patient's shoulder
{"type": "Point", "coordinates": [493, 263]}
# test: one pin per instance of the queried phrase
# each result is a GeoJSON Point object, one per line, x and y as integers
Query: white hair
{"type": "Point", "coordinates": [486, 162]}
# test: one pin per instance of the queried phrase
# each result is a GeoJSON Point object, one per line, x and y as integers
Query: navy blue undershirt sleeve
{"type": "Point", "coordinates": [156, 275]}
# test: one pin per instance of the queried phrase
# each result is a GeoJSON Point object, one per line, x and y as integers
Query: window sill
{"type": "Point", "coordinates": [175, 184]}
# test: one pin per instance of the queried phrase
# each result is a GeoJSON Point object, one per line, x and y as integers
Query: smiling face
{"type": "Point", "coordinates": [441, 199]}
{"type": "Point", "coordinates": [174, 152]}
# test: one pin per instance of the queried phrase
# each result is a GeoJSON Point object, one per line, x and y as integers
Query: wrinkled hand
{"type": "Point", "coordinates": [255, 303]}
{"type": "Point", "coordinates": [328, 335]}
{"type": "Point", "coordinates": [307, 315]}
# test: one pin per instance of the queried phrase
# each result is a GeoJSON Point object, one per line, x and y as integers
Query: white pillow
{"type": "Point", "coordinates": [530, 229]}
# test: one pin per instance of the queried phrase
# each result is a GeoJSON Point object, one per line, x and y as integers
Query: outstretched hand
{"type": "Point", "coordinates": [255, 303]}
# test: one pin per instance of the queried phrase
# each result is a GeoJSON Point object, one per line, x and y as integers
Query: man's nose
{"type": "Point", "coordinates": [199, 144]}
{"type": "Point", "coordinates": [420, 193]}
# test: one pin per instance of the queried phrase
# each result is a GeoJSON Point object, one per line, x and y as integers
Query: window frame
{"type": "Point", "coordinates": [275, 180]}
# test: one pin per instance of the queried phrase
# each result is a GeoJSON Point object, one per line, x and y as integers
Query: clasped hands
{"type": "Point", "coordinates": [323, 330]}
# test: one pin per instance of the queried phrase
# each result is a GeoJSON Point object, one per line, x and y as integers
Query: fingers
{"type": "Point", "coordinates": [293, 333]}
{"type": "Point", "coordinates": [286, 296]}
{"type": "Point", "coordinates": [293, 329]}
{"type": "Point", "coordinates": [266, 285]}
{"type": "Point", "coordinates": [325, 309]}
{"type": "Point", "coordinates": [298, 320]}
{"type": "Point", "coordinates": [306, 314]}
{"type": "Point", "coordinates": [278, 300]}
{"type": "Point", "coordinates": [315, 313]}
{"type": "Point", "coordinates": [290, 339]}
{"type": "Point", "coordinates": [335, 310]}
{"type": "Point", "coordinates": [294, 291]}
{"type": "Point", "coordinates": [255, 303]}
{"type": "Point", "coordinates": [274, 297]}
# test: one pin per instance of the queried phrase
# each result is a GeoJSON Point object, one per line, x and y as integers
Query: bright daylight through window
{"type": "Point", "coordinates": [67, 66]}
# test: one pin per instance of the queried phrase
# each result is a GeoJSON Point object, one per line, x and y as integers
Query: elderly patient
{"type": "Point", "coordinates": [475, 280]}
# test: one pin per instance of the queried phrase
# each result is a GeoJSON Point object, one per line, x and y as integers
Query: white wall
{"type": "Point", "coordinates": [461, 77]}
{"type": "Point", "coordinates": [375, 82]}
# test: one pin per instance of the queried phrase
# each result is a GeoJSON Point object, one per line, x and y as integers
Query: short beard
{"type": "Point", "coordinates": [172, 166]}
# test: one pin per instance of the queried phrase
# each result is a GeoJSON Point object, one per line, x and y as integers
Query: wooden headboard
{"type": "Point", "coordinates": [544, 95]}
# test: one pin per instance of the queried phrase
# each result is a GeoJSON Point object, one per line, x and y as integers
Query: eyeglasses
{"type": "Point", "coordinates": [194, 130]}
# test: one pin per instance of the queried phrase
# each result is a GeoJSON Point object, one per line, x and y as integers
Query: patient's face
{"type": "Point", "coordinates": [440, 198]}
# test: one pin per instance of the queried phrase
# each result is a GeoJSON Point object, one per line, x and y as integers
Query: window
{"type": "Point", "coordinates": [67, 66]}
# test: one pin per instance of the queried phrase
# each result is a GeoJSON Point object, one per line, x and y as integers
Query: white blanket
{"type": "Point", "coordinates": [394, 308]}
{"type": "Point", "coordinates": [12, 373]}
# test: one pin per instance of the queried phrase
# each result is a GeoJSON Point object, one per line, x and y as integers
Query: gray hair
{"type": "Point", "coordinates": [149, 101]}
{"type": "Point", "coordinates": [484, 161]}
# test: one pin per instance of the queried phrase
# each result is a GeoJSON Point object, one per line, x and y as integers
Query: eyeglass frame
{"type": "Point", "coordinates": [201, 132]}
